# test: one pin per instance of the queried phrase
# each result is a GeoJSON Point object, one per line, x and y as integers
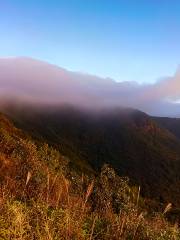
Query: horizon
{"type": "Point", "coordinates": [92, 53]}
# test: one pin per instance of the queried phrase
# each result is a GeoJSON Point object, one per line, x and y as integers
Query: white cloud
{"type": "Point", "coordinates": [37, 81]}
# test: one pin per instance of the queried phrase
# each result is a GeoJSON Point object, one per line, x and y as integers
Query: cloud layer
{"type": "Point", "coordinates": [39, 82]}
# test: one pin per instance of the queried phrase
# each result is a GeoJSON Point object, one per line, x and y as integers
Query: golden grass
{"type": "Point", "coordinates": [68, 216]}
{"type": "Point", "coordinates": [39, 202]}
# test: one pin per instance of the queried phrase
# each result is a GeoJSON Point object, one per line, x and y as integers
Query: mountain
{"type": "Point", "coordinates": [172, 124]}
{"type": "Point", "coordinates": [43, 196]}
{"type": "Point", "coordinates": [129, 140]}
{"type": "Point", "coordinates": [83, 117]}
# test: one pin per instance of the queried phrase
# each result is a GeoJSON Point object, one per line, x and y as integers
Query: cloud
{"type": "Point", "coordinates": [39, 82]}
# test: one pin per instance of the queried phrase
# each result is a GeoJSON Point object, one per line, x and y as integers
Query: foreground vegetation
{"type": "Point", "coordinates": [42, 196]}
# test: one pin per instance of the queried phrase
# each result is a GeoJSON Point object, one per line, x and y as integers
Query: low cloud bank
{"type": "Point", "coordinates": [35, 81]}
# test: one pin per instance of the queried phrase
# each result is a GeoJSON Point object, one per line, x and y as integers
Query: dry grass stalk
{"type": "Point", "coordinates": [139, 190]}
{"type": "Point", "coordinates": [29, 175]}
{"type": "Point", "coordinates": [88, 193]}
{"type": "Point", "coordinates": [92, 228]}
{"type": "Point", "coordinates": [167, 208]}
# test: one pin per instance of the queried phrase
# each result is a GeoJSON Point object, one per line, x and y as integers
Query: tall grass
{"type": "Point", "coordinates": [41, 198]}
{"type": "Point", "coordinates": [62, 214]}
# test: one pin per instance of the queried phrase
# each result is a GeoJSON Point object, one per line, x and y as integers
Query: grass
{"type": "Point", "coordinates": [42, 198]}
{"type": "Point", "coordinates": [61, 214]}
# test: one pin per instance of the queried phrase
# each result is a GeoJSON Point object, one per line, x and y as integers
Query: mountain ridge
{"type": "Point", "coordinates": [129, 140]}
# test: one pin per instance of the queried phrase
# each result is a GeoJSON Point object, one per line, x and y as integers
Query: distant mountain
{"type": "Point", "coordinates": [172, 124]}
{"type": "Point", "coordinates": [129, 140]}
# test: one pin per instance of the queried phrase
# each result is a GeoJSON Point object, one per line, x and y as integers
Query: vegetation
{"type": "Point", "coordinates": [129, 140]}
{"type": "Point", "coordinates": [43, 196]}
{"type": "Point", "coordinates": [172, 124]}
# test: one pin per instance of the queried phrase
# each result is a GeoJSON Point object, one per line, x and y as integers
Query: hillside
{"type": "Point", "coordinates": [172, 124]}
{"type": "Point", "coordinates": [129, 140]}
{"type": "Point", "coordinates": [43, 197]}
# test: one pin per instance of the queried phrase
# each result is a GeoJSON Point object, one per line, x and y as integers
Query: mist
{"type": "Point", "coordinates": [25, 80]}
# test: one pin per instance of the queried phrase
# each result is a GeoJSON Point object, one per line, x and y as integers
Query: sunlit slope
{"type": "Point", "coordinates": [127, 139]}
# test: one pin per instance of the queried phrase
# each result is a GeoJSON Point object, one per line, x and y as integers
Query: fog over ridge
{"type": "Point", "coordinates": [36, 81]}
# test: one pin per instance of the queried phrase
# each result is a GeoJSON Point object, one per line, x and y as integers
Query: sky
{"type": "Point", "coordinates": [127, 40]}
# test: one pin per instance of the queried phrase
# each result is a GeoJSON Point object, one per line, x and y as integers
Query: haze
{"type": "Point", "coordinates": [34, 81]}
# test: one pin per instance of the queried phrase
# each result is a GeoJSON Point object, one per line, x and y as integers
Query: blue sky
{"type": "Point", "coordinates": [123, 39]}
